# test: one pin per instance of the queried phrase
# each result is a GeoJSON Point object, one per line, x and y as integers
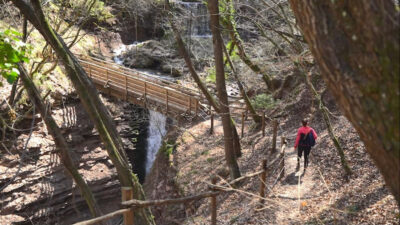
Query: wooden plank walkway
{"type": "Point", "coordinates": [129, 85]}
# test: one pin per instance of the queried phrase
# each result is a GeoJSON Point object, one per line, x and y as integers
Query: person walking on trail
{"type": "Point", "coordinates": [305, 140]}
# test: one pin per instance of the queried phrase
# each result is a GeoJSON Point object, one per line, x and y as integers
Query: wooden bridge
{"type": "Point", "coordinates": [132, 86]}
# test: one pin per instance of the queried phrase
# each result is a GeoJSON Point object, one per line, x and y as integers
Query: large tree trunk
{"type": "Point", "coordinates": [90, 100]}
{"type": "Point", "coordinates": [356, 44]}
{"type": "Point", "coordinates": [221, 89]}
{"type": "Point", "coordinates": [61, 144]}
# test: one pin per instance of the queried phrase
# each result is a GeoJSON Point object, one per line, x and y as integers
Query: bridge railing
{"type": "Point", "coordinates": [133, 88]}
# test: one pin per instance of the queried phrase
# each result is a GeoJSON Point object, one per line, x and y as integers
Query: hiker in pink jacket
{"type": "Point", "coordinates": [305, 139]}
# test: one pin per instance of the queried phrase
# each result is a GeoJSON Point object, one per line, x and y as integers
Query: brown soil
{"type": "Point", "coordinates": [320, 195]}
{"type": "Point", "coordinates": [35, 187]}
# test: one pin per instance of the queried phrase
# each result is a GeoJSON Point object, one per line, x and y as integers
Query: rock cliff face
{"type": "Point", "coordinates": [35, 187]}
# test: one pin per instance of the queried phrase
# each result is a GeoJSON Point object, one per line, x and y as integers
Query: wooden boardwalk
{"type": "Point", "coordinates": [152, 93]}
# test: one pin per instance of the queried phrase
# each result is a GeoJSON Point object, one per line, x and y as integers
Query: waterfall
{"type": "Point", "coordinates": [197, 19]}
{"type": "Point", "coordinates": [156, 132]}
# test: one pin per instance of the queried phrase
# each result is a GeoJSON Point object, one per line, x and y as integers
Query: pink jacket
{"type": "Point", "coordinates": [304, 130]}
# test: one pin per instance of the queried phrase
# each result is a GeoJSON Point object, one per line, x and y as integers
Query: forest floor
{"type": "Point", "coordinates": [320, 195]}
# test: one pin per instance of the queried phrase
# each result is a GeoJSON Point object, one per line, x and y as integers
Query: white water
{"type": "Point", "coordinates": [196, 19]}
{"type": "Point", "coordinates": [122, 49]}
{"type": "Point", "coordinates": [155, 135]}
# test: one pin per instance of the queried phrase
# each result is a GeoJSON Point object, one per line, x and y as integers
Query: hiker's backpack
{"type": "Point", "coordinates": [307, 139]}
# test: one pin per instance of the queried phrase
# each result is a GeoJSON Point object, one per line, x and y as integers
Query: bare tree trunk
{"type": "Point", "coordinates": [221, 89]}
{"type": "Point", "coordinates": [61, 144]}
{"type": "Point", "coordinates": [91, 101]}
{"type": "Point", "coordinates": [256, 118]}
{"type": "Point", "coordinates": [12, 99]}
{"type": "Point", "coordinates": [242, 53]}
{"type": "Point", "coordinates": [356, 44]}
{"type": "Point", "coordinates": [184, 53]}
{"type": "Point", "coordinates": [325, 115]}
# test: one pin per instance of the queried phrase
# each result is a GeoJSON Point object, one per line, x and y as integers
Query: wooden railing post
{"type": "Point", "coordinates": [107, 81]}
{"type": "Point", "coordinates": [263, 178]}
{"type": "Point", "coordinates": [166, 99]}
{"type": "Point", "coordinates": [242, 124]}
{"type": "Point", "coordinates": [212, 123]}
{"type": "Point", "coordinates": [282, 156]}
{"type": "Point", "coordinates": [213, 203]}
{"type": "Point", "coordinates": [127, 194]}
{"type": "Point", "coordinates": [275, 131]}
{"type": "Point", "coordinates": [126, 87]}
{"type": "Point", "coordinates": [263, 124]}
{"type": "Point", "coordinates": [190, 105]}
{"type": "Point", "coordinates": [145, 94]}
{"type": "Point", "coordinates": [196, 105]}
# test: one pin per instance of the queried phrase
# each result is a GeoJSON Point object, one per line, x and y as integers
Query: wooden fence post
{"type": "Point", "coordinates": [127, 194]}
{"type": "Point", "coordinates": [212, 123]}
{"type": "Point", "coordinates": [126, 87]}
{"type": "Point", "coordinates": [196, 105]}
{"type": "Point", "coordinates": [263, 124]}
{"type": "Point", "coordinates": [263, 178]}
{"type": "Point", "coordinates": [282, 165]}
{"type": "Point", "coordinates": [213, 203]}
{"type": "Point", "coordinates": [275, 131]}
{"type": "Point", "coordinates": [190, 105]}
{"type": "Point", "coordinates": [145, 94]}
{"type": "Point", "coordinates": [107, 81]}
{"type": "Point", "coordinates": [166, 99]}
{"type": "Point", "coordinates": [242, 124]}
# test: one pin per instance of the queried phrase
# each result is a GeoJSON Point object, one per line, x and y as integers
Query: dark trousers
{"type": "Point", "coordinates": [306, 150]}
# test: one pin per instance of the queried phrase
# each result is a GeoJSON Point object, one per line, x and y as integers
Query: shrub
{"type": "Point", "coordinates": [263, 101]}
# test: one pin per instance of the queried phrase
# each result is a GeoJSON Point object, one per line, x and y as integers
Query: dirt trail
{"type": "Point", "coordinates": [296, 188]}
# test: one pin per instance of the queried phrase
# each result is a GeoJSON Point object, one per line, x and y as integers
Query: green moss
{"type": "Point", "coordinates": [168, 147]}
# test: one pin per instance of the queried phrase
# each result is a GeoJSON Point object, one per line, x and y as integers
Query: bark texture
{"type": "Point", "coordinates": [90, 100]}
{"type": "Point", "coordinates": [221, 89]}
{"type": "Point", "coordinates": [356, 45]}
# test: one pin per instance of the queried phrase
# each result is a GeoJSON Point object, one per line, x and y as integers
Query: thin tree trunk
{"type": "Point", "coordinates": [221, 89]}
{"type": "Point", "coordinates": [356, 45]}
{"type": "Point", "coordinates": [184, 53]}
{"type": "Point", "coordinates": [11, 100]}
{"type": "Point", "coordinates": [235, 37]}
{"type": "Point", "coordinates": [256, 118]}
{"type": "Point", "coordinates": [91, 101]}
{"type": "Point", "coordinates": [328, 123]}
{"type": "Point", "coordinates": [61, 144]}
